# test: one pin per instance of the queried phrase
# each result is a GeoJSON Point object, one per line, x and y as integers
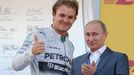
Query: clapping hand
{"type": "Point", "coordinates": [88, 69]}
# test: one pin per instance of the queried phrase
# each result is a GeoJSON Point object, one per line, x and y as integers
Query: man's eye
{"type": "Point", "coordinates": [87, 34]}
{"type": "Point", "coordinates": [62, 15]}
{"type": "Point", "coordinates": [70, 17]}
{"type": "Point", "coordinates": [94, 34]}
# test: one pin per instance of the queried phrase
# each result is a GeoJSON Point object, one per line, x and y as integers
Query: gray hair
{"type": "Point", "coordinates": [103, 26]}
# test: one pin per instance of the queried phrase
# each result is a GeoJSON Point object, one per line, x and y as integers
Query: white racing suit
{"type": "Point", "coordinates": [55, 60]}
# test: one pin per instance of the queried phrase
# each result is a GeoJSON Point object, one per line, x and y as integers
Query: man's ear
{"type": "Point", "coordinates": [75, 18]}
{"type": "Point", "coordinates": [106, 33]}
{"type": "Point", "coordinates": [53, 13]}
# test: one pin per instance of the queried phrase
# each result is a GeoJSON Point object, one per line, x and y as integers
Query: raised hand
{"type": "Point", "coordinates": [39, 46]}
{"type": "Point", "coordinates": [88, 69]}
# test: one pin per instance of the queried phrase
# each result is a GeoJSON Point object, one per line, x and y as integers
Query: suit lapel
{"type": "Point", "coordinates": [104, 58]}
{"type": "Point", "coordinates": [85, 59]}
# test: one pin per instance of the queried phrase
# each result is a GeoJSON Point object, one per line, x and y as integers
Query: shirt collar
{"type": "Point", "coordinates": [58, 35]}
{"type": "Point", "coordinates": [100, 50]}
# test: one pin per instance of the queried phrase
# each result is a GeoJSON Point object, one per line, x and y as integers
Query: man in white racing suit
{"type": "Point", "coordinates": [48, 51]}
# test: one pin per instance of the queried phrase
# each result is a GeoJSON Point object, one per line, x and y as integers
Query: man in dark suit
{"type": "Point", "coordinates": [100, 59]}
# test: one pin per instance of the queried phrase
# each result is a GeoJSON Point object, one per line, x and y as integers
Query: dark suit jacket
{"type": "Point", "coordinates": [111, 63]}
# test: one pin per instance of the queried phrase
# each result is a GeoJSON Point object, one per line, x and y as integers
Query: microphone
{"type": "Point", "coordinates": [63, 38]}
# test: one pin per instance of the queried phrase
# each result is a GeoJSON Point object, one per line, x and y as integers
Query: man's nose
{"type": "Point", "coordinates": [90, 38]}
{"type": "Point", "coordinates": [65, 19]}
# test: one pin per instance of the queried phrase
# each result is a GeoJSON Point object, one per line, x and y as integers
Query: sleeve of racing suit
{"type": "Point", "coordinates": [24, 55]}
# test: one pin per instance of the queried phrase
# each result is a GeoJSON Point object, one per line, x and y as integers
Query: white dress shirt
{"type": "Point", "coordinates": [95, 56]}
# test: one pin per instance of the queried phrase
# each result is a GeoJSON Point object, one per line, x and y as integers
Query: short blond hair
{"type": "Point", "coordinates": [69, 3]}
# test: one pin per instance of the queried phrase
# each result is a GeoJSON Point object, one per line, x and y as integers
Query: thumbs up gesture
{"type": "Point", "coordinates": [38, 47]}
